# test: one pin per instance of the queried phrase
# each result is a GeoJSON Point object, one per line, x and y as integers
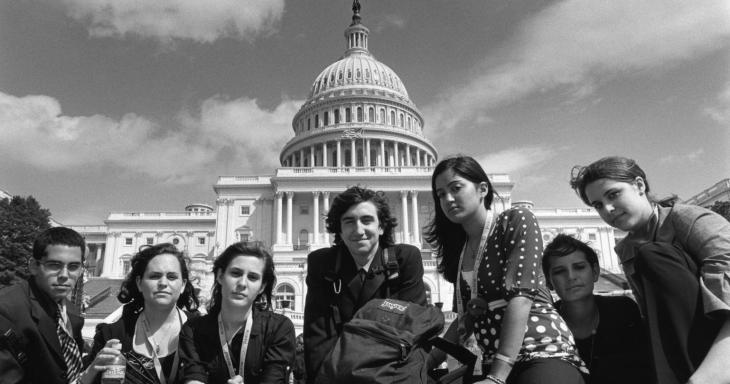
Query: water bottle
{"type": "Point", "coordinates": [115, 371]}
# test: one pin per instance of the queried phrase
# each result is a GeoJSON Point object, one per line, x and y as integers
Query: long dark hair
{"type": "Point", "coordinates": [224, 259]}
{"type": "Point", "coordinates": [129, 293]}
{"type": "Point", "coordinates": [446, 237]}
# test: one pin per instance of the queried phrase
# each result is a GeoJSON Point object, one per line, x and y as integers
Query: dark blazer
{"type": "Point", "coordinates": [31, 315]}
{"type": "Point", "coordinates": [122, 330]}
{"type": "Point", "coordinates": [270, 351]}
{"type": "Point", "coordinates": [320, 328]}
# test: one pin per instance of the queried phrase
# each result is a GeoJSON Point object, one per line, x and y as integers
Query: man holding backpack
{"type": "Point", "coordinates": [363, 264]}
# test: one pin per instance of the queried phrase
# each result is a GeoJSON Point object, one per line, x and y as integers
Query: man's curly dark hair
{"type": "Point", "coordinates": [356, 195]}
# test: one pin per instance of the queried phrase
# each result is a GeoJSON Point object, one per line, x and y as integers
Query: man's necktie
{"type": "Point", "coordinates": [71, 354]}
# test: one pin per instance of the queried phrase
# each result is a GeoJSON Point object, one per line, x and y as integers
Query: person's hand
{"type": "Point", "coordinates": [106, 355]}
{"type": "Point", "coordinates": [235, 380]}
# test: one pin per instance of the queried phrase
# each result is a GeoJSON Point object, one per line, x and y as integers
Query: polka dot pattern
{"type": "Point", "coordinates": [509, 268]}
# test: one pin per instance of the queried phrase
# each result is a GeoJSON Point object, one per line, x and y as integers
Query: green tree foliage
{"type": "Point", "coordinates": [21, 220]}
{"type": "Point", "coordinates": [723, 208]}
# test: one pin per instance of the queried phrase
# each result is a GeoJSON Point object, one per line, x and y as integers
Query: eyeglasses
{"type": "Point", "coordinates": [57, 267]}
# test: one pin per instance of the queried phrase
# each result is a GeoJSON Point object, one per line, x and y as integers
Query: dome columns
{"type": "Point", "coordinates": [355, 152]}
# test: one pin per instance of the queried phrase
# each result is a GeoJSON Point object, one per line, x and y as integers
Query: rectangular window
{"type": "Point", "coordinates": [150, 240]}
{"type": "Point", "coordinates": [337, 116]}
{"type": "Point", "coordinates": [127, 241]}
{"type": "Point", "coordinates": [326, 119]}
{"type": "Point", "coordinates": [201, 240]}
{"type": "Point", "coordinates": [245, 237]}
{"type": "Point", "coordinates": [303, 209]}
{"type": "Point", "coordinates": [592, 236]}
{"type": "Point", "coordinates": [348, 116]}
{"type": "Point", "coordinates": [316, 121]}
{"type": "Point", "coordinates": [245, 210]}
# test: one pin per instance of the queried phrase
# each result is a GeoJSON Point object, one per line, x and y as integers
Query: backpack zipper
{"type": "Point", "coordinates": [401, 346]}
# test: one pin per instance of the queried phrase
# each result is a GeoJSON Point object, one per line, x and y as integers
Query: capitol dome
{"type": "Point", "coordinates": [361, 70]}
{"type": "Point", "coordinates": [358, 114]}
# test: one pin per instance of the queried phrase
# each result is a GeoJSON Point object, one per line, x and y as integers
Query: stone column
{"type": "Point", "coordinates": [408, 155]}
{"type": "Point", "coordinates": [353, 153]}
{"type": "Point", "coordinates": [311, 156]}
{"type": "Point", "coordinates": [418, 157]}
{"type": "Point", "coordinates": [395, 154]}
{"type": "Point", "coordinates": [367, 153]}
{"type": "Point", "coordinates": [382, 153]}
{"type": "Point", "coordinates": [289, 215]}
{"type": "Point", "coordinates": [326, 209]}
{"type": "Point", "coordinates": [301, 157]}
{"type": "Point", "coordinates": [324, 154]}
{"type": "Point", "coordinates": [414, 218]}
{"type": "Point", "coordinates": [404, 204]}
{"type": "Point", "coordinates": [279, 214]}
{"type": "Point", "coordinates": [339, 153]}
{"type": "Point", "coordinates": [315, 219]}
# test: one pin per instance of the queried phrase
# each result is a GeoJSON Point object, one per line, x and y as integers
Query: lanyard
{"type": "Point", "coordinates": [488, 228]}
{"type": "Point", "coordinates": [154, 348]}
{"type": "Point", "coordinates": [244, 344]}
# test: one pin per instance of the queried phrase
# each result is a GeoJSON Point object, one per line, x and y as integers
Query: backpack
{"type": "Point", "coordinates": [387, 341]}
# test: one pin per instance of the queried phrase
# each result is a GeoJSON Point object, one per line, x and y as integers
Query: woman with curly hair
{"type": "Point", "coordinates": [158, 299]}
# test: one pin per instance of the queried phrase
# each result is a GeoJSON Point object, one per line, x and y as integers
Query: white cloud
{"type": "Point", "coordinates": [167, 20]}
{"type": "Point", "coordinates": [576, 43]}
{"type": "Point", "coordinates": [515, 160]}
{"type": "Point", "coordinates": [224, 136]}
{"type": "Point", "coordinates": [720, 112]}
{"type": "Point", "coordinates": [682, 158]}
{"type": "Point", "coordinates": [387, 21]}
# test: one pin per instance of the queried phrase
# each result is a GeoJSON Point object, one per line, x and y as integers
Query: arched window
{"type": "Point", "coordinates": [326, 119]}
{"type": "Point", "coordinates": [284, 297]}
{"type": "Point", "coordinates": [316, 121]}
{"type": "Point", "coordinates": [347, 158]}
{"type": "Point", "coordinates": [401, 120]}
{"type": "Point", "coordinates": [371, 115]}
{"type": "Point", "coordinates": [348, 115]}
{"type": "Point", "coordinates": [309, 124]}
{"type": "Point", "coordinates": [359, 114]}
{"type": "Point", "coordinates": [392, 118]}
{"type": "Point", "coordinates": [337, 116]}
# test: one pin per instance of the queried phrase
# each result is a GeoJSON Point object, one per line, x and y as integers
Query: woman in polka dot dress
{"type": "Point", "coordinates": [521, 335]}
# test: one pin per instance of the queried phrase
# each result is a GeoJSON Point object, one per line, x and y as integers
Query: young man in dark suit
{"type": "Point", "coordinates": [342, 278]}
{"type": "Point", "coordinates": [40, 331]}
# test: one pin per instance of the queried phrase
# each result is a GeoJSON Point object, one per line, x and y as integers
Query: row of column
{"type": "Point", "coordinates": [422, 158]}
{"type": "Point", "coordinates": [409, 217]}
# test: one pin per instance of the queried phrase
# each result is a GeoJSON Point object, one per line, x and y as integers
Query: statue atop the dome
{"type": "Point", "coordinates": [355, 12]}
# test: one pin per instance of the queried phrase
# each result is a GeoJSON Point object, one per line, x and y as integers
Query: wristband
{"type": "Point", "coordinates": [495, 379]}
{"type": "Point", "coordinates": [505, 359]}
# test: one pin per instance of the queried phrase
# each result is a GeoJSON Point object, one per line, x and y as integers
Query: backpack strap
{"type": "Point", "coordinates": [391, 268]}
{"type": "Point", "coordinates": [332, 276]}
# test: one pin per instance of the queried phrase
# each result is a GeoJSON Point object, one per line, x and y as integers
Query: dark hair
{"type": "Point", "coordinates": [563, 245]}
{"type": "Point", "coordinates": [447, 238]}
{"type": "Point", "coordinates": [612, 167]}
{"type": "Point", "coordinates": [222, 262]}
{"type": "Point", "coordinates": [129, 293]}
{"type": "Point", "coordinates": [356, 195]}
{"type": "Point", "coordinates": [58, 236]}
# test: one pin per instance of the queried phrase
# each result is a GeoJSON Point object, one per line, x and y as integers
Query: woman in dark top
{"type": "Point", "coordinates": [213, 347]}
{"type": "Point", "coordinates": [154, 293]}
{"type": "Point", "coordinates": [608, 331]}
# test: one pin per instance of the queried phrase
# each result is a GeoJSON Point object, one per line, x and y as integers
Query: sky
{"type": "Point", "coordinates": [129, 106]}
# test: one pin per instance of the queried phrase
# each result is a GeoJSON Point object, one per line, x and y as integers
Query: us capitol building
{"type": "Point", "coordinates": [357, 126]}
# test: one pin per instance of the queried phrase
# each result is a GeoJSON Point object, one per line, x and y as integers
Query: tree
{"type": "Point", "coordinates": [21, 221]}
{"type": "Point", "coordinates": [723, 208]}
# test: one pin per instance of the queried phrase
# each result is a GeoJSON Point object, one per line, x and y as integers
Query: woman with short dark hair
{"type": "Point", "coordinates": [677, 259]}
